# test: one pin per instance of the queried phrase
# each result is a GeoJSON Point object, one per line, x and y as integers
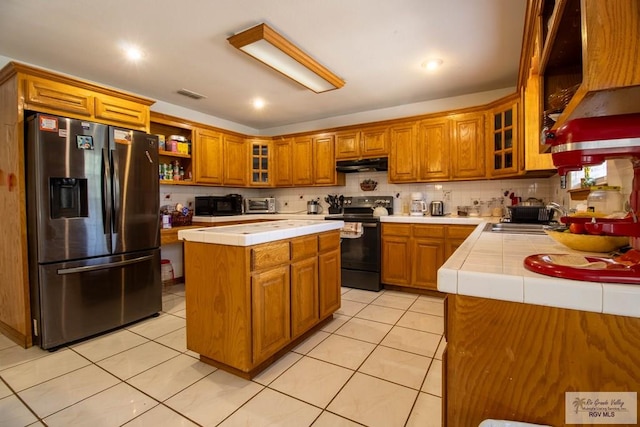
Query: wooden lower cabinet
{"type": "Point", "coordinates": [396, 257]}
{"type": "Point", "coordinates": [427, 257]}
{"type": "Point", "coordinates": [245, 305]}
{"type": "Point", "coordinates": [455, 236]}
{"type": "Point", "coordinates": [305, 311]}
{"type": "Point", "coordinates": [413, 253]}
{"type": "Point", "coordinates": [515, 361]}
{"type": "Point", "coordinates": [270, 308]}
{"type": "Point", "coordinates": [329, 274]}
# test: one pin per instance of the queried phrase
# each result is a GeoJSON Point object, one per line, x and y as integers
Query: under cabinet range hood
{"type": "Point", "coordinates": [363, 165]}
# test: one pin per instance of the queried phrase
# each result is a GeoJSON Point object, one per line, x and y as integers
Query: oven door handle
{"type": "Point", "coordinates": [369, 225]}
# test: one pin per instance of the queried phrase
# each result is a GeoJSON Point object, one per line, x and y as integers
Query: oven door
{"type": "Point", "coordinates": [360, 254]}
{"type": "Point", "coordinates": [363, 252]}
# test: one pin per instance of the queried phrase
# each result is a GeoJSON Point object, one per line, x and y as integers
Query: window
{"type": "Point", "coordinates": [598, 173]}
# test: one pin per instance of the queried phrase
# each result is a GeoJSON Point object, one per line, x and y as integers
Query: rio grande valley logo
{"type": "Point", "coordinates": [601, 408]}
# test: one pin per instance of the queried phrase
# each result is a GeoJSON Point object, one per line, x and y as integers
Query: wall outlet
{"type": "Point", "coordinates": [446, 196]}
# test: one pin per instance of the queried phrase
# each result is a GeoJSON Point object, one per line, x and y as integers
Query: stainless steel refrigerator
{"type": "Point", "coordinates": [93, 227]}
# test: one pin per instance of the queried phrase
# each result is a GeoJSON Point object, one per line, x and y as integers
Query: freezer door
{"type": "Point", "coordinates": [83, 298]}
{"type": "Point", "coordinates": [136, 201]}
{"type": "Point", "coordinates": [68, 202]}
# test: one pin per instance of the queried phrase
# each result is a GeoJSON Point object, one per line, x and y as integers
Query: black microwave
{"type": "Point", "coordinates": [230, 204]}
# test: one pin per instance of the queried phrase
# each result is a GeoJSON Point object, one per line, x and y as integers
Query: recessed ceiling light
{"type": "Point", "coordinates": [432, 64]}
{"type": "Point", "coordinates": [258, 103]}
{"type": "Point", "coordinates": [133, 53]}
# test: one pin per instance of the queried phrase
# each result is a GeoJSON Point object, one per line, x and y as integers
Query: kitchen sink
{"type": "Point", "coordinates": [513, 228]}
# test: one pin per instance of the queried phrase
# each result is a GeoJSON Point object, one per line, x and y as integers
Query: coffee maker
{"type": "Point", "coordinates": [418, 206]}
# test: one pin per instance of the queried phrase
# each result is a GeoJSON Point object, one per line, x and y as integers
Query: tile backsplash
{"type": "Point", "coordinates": [453, 194]}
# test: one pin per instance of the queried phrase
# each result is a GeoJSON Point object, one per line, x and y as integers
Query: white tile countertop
{"type": "Point", "coordinates": [256, 233]}
{"type": "Point", "coordinates": [446, 219]}
{"type": "Point", "coordinates": [490, 265]}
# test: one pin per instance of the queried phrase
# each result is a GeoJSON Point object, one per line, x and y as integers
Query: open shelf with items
{"type": "Point", "coordinates": [585, 64]}
{"type": "Point", "coordinates": [561, 57]}
{"type": "Point", "coordinates": [171, 162]}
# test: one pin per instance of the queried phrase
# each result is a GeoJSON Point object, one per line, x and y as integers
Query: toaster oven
{"type": "Point", "coordinates": [258, 205]}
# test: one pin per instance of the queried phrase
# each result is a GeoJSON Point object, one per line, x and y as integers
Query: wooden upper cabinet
{"type": "Point", "coordinates": [260, 163]}
{"type": "Point", "coordinates": [324, 171]}
{"type": "Point", "coordinates": [403, 164]}
{"type": "Point", "coordinates": [468, 146]}
{"type": "Point", "coordinates": [362, 143]}
{"type": "Point", "coordinates": [114, 109]}
{"type": "Point", "coordinates": [503, 139]}
{"type": "Point", "coordinates": [234, 161]}
{"type": "Point", "coordinates": [283, 162]}
{"type": "Point", "coordinates": [433, 149]}
{"type": "Point", "coordinates": [57, 97]}
{"type": "Point", "coordinates": [348, 144]}
{"type": "Point", "coordinates": [54, 94]}
{"type": "Point", "coordinates": [374, 142]}
{"type": "Point", "coordinates": [302, 155]}
{"type": "Point", "coordinates": [207, 155]}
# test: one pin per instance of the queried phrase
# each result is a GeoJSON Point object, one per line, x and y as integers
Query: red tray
{"type": "Point", "coordinates": [614, 272]}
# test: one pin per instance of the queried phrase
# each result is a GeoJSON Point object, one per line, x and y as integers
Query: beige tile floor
{"type": "Point", "coordinates": [377, 363]}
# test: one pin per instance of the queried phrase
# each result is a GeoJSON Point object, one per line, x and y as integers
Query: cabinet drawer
{"type": "Point", "coordinates": [269, 255]}
{"type": "Point", "coordinates": [122, 111]}
{"type": "Point", "coordinates": [459, 231]}
{"type": "Point", "coordinates": [396, 229]}
{"type": "Point", "coordinates": [328, 241]}
{"type": "Point", "coordinates": [436, 231]}
{"type": "Point", "coordinates": [304, 247]}
{"type": "Point", "coordinates": [58, 96]}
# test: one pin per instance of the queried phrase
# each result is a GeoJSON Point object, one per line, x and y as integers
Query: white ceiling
{"type": "Point", "coordinates": [376, 46]}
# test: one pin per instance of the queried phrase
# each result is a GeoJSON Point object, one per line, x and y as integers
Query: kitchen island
{"type": "Point", "coordinates": [253, 291]}
{"type": "Point", "coordinates": [518, 342]}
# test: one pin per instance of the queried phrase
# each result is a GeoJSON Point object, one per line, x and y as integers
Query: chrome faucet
{"type": "Point", "coordinates": [556, 207]}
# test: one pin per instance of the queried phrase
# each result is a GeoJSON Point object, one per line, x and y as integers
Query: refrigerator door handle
{"type": "Point", "coordinates": [88, 268]}
{"type": "Point", "coordinates": [106, 205]}
{"type": "Point", "coordinates": [116, 191]}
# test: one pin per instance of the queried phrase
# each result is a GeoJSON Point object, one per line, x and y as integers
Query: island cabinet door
{"type": "Point", "coordinates": [304, 296]}
{"type": "Point", "coordinates": [330, 281]}
{"type": "Point", "coordinates": [271, 312]}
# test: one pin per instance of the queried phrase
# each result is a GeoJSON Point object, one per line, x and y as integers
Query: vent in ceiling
{"type": "Point", "coordinates": [190, 94]}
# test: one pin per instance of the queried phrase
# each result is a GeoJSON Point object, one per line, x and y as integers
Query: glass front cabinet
{"type": "Point", "coordinates": [503, 139]}
{"type": "Point", "coordinates": [260, 163]}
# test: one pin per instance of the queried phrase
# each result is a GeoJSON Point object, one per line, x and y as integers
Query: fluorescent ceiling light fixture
{"type": "Point", "coordinates": [432, 64]}
{"type": "Point", "coordinates": [269, 47]}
